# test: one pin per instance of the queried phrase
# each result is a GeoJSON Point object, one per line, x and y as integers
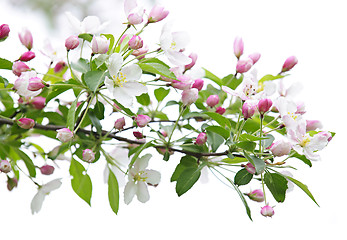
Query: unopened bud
{"type": "Point", "coordinates": [100, 44]}
{"type": "Point", "coordinates": [47, 169]}
{"type": "Point", "coordinates": [26, 38]}
{"type": "Point", "coordinates": [4, 32]}
{"type": "Point", "coordinates": [189, 96]}
{"type": "Point", "coordinates": [157, 14]}
{"type": "Point", "coordinates": [140, 53]}
{"type": "Point", "coordinates": [19, 67]}
{"type": "Point", "coordinates": [142, 120]}
{"type": "Point", "coordinates": [250, 168]}
{"type": "Point", "coordinates": [138, 135]}
{"type": "Point", "coordinates": [264, 105]}
{"type": "Point", "coordinates": [11, 183]}
{"type": "Point", "coordinates": [212, 100]}
{"type": "Point", "coordinates": [289, 63]}
{"type": "Point", "coordinates": [267, 211]}
{"type": "Point", "coordinates": [198, 84]}
{"type": "Point", "coordinates": [88, 155]}
{"type": "Point", "coordinates": [135, 42]}
{"type": "Point", "coordinates": [64, 134]}
{"type": "Point", "coordinates": [35, 84]}
{"type": "Point", "coordinates": [59, 66]}
{"type": "Point", "coordinates": [280, 148]}
{"type": "Point", "coordinates": [71, 42]}
{"type": "Point", "coordinates": [119, 123]}
{"type": "Point", "coordinates": [248, 110]}
{"type": "Point", "coordinates": [201, 139]}
{"type": "Point", "coordinates": [27, 56]}
{"type": "Point", "coordinates": [5, 166]}
{"type": "Point", "coordinates": [254, 57]}
{"type": "Point", "coordinates": [26, 123]}
{"type": "Point", "coordinates": [38, 102]}
{"type": "Point", "coordinates": [220, 110]}
{"type": "Point", "coordinates": [243, 66]}
{"type": "Point", "coordinates": [238, 47]}
{"type": "Point", "coordinates": [256, 195]}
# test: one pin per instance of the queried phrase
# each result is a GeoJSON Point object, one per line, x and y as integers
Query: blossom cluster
{"type": "Point", "coordinates": [159, 101]}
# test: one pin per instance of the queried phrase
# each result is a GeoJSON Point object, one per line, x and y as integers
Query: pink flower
{"type": "Point", "coordinates": [267, 211]}
{"type": "Point", "coordinates": [250, 168]}
{"type": "Point", "coordinates": [220, 110]}
{"type": "Point", "coordinates": [88, 155]}
{"type": "Point", "coordinates": [212, 100]}
{"type": "Point", "coordinates": [38, 102]}
{"type": "Point", "coordinates": [5, 166]}
{"type": "Point", "coordinates": [27, 56]}
{"type": "Point", "coordinates": [59, 66]}
{"type": "Point", "coordinates": [142, 120]}
{"type": "Point", "coordinates": [281, 148]}
{"type": "Point", "coordinates": [289, 63]}
{"type": "Point", "coordinates": [72, 42]}
{"type": "Point", "coordinates": [264, 105]}
{"type": "Point", "coordinates": [198, 84]}
{"type": "Point", "coordinates": [47, 169]}
{"type": "Point", "coordinates": [135, 42]}
{"type": "Point", "coordinates": [119, 123]}
{"type": "Point", "coordinates": [35, 84]}
{"type": "Point", "coordinates": [248, 110]}
{"type": "Point", "coordinates": [19, 67]}
{"type": "Point", "coordinates": [64, 134]}
{"type": "Point", "coordinates": [238, 47]}
{"type": "Point", "coordinates": [26, 123]}
{"type": "Point", "coordinates": [100, 44]}
{"type": "Point", "coordinates": [189, 96]}
{"type": "Point", "coordinates": [133, 12]}
{"type": "Point", "coordinates": [26, 38]}
{"type": "Point", "coordinates": [4, 31]}
{"type": "Point", "coordinates": [194, 57]}
{"type": "Point", "coordinates": [256, 195]}
{"type": "Point", "coordinates": [254, 57]}
{"type": "Point", "coordinates": [312, 125]}
{"type": "Point", "coordinates": [201, 139]}
{"type": "Point", "coordinates": [140, 53]}
{"type": "Point", "coordinates": [157, 14]}
{"type": "Point", "coordinates": [243, 66]}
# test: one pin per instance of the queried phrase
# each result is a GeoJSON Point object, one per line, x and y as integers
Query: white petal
{"type": "Point", "coordinates": [90, 25]}
{"type": "Point", "coordinates": [75, 23]}
{"type": "Point", "coordinates": [52, 185]}
{"type": "Point", "coordinates": [121, 95]}
{"type": "Point", "coordinates": [115, 64]}
{"type": "Point", "coordinates": [178, 58]}
{"type": "Point", "coordinates": [142, 192]}
{"type": "Point", "coordinates": [152, 177]}
{"type": "Point", "coordinates": [134, 88]}
{"type": "Point", "coordinates": [132, 72]}
{"type": "Point", "coordinates": [129, 192]}
{"type": "Point", "coordinates": [37, 201]}
{"type": "Point", "coordinates": [120, 155]}
{"type": "Point", "coordinates": [142, 162]}
{"type": "Point", "coordinates": [181, 39]}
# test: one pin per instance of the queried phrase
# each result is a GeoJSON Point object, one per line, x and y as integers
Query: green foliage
{"type": "Point", "coordinates": [5, 64]}
{"type": "Point", "coordinates": [243, 177]}
{"type": "Point", "coordinates": [94, 79]}
{"type": "Point", "coordinates": [113, 192]}
{"type": "Point", "coordinates": [156, 66]}
{"type": "Point", "coordinates": [277, 185]}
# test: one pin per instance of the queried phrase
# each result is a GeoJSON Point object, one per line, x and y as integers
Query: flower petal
{"type": "Point", "coordinates": [121, 95]}
{"type": "Point", "coordinates": [132, 72]}
{"type": "Point", "coordinates": [142, 192]}
{"type": "Point", "coordinates": [142, 162]}
{"type": "Point", "coordinates": [134, 88]}
{"type": "Point", "coordinates": [115, 64]}
{"type": "Point", "coordinates": [129, 192]}
{"type": "Point", "coordinates": [37, 201]}
{"type": "Point", "coordinates": [178, 58]}
{"type": "Point", "coordinates": [52, 185]}
{"type": "Point", "coordinates": [152, 177]}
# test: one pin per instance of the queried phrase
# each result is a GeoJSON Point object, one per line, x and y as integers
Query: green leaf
{"type": "Point", "coordinates": [256, 162]}
{"type": "Point", "coordinates": [54, 77]}
{"type": "Point", "coordinates": [71, 115]}
{"type": "Point", "coordinates": [155, 66]}
{"type": "Point", "coordinates": [81, 183]}
{"type": "Point", "coordinates": [303, 187]}
{"type": "Point", "coordinates": [249, 137]}
{"type": "Point", "coordinates": [113, 192]}
{"type": "Point", "coordinates": [5, 64]}
{"type": "Point", "coordinates": [213, 77]}
{"type": "Point", "coordinates": [99, 110]}
{"type": "Point", "coordinates": [303, 158]}
{"type": "Point", "coordinates": [219, 130]}
{"type": "Point", "coordinates": [277, 185]}
{"type": "Point", "coordinates": [243, 177]}
{"type": "Point", "coordinates": [112, 40]}
{"type": "Point", "coordinates": [144, 99]}
{"type": "Point", "coordinates": [82, 65]}
{"type": "Point", "coordinates": [232, 82]}
{"type": "Point", "coordinates": [127, 110]}
{"type": "Point", "coordinates": [186, 162]}
{"type": "Point", "coordinates": [221, 120]}
{"type": "Point", "coordinates": [246, 145]}
{"type": "Point", "coordinates": [235, 160]}
{"type": "Point", "coordinates": [94, 79]}
{"type": "Point", "coordinates": [161, 93]}
{"type": "Point", "coordinates": [214, 140]}
{"type": "Point", "coordinates": [86, 36]}
{"type": "Point", "coordinates": [4, 81]}
{"type": "Point", "coordinates": [27, 160]}
{"type": "Point", "coordinates": [270, 77]}
{"type": "Point", "coordinates": [187, 179]}
{"type": "Point", "coordinates": [95, 121]}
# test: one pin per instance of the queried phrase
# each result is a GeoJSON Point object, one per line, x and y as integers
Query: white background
{"type": "Point", "coordinates": [313, 31]}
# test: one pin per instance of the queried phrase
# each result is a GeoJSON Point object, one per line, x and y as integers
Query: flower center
{"type": "Point", "coordinates": [292, 115]}
{"type": "Point", "coordinates": [120, 79]}
{"type": "Point", "coordinates": [139, 177]}
{"type": "Point", "coordinates": [305, 141]}
{"type": "Point", "coordinates": [173, 45]}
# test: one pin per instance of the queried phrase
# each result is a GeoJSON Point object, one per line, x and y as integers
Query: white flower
{"type": "Point", "coordinates": [42, 192]}
{"type": "Point", "coordinates": [139, 177]}
{"type": "Point", "coordinates": [123, 84]}
{"type": "Point", "coordinates": [172, 43]}
{"type": "Point", "coordinates": [120, 161]}
{"type": "Point", "coordinates": [21, 84]}
{"type": "Point", "coordinates": [90, 24]}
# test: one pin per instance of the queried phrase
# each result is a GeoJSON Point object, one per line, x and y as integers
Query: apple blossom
{"type": "Point", "coordinates": [198, 84]}
{"type": "Point", "coordinates": [119, 123]}
{"type": "Point", "coordinates": [267, 211]}
{"type": "Point", "coordinates": [194, 57]}
{"type": "Point", "coordinates": [212, 100]}
{"type": "Point", "coordinates": [5, 166]}
{"type": "Point", "coordinates": [38, 102]}
{"type": "Point", "coordinates": [138, 179]}
{"type": "Point", "coordinates": [26, 38]}
{"type": "Point", "coordinates": [157, 14]}
{"type": "Point", "coordinates": [47, 169]}
{"type": "Point", "coordinates": [123, 84]}
{"type": "Point", "coordinates": [4, 31]}
{"type": "Point", "coordinates": [64, 134]}
{"type": "Point", "coordinates": [26, 123]}
{"type": "Point", "coordinates": [289, 64]}
{"type": "Point", "coordinates": [189, 96]}
{"type": "Point", "coordinates": [201, 139]}
{"type": "Point", "coordinates": [254, 57]}
{"type": "Point", "coordinates": [264, 105]}
{"type": "Point", "coordinates": [244, 65]}
{"type": "Point", "coordinates": [248, 109]}
{"type": "Point", "coordinates": [18, 67]}
{"type": "Point", "coordinates": [142, 120]}
{"type": "Point", "coordinates": [72, 42]}
{"type": "Point", "coordinates": [281, 148]}
{"type": "Point", "coordinates": [117, 163]}
{"type": "Point", "coordinates": [312, 125]}
{"type": "Point", "coordinates": [88, 155]}
{"type": "Point", "coordinates": [27, 56]}
{"type": "Point", "coordinates": [59, 66]}
{"type": "Point", "coordinates": [43, 191]}
{"type": "Point", "coordinates": [220, 110]}
{"type": "Point", "coordinates": [238, 47]}
{"type": "Point", "coordinates": [133, 12]}
{"type": "Point", "coordinates": [90, 24]}
{"type": "Point", "coordinates": [35, 84]}
{"type": "Point", "coordinates": [135, 42]}
{"type": "Point", "coordinates": [256, 195]}
{"type": "Point", "coordinates": [100, 44]}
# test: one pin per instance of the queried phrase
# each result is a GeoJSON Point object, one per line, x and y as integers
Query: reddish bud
{"type": "Point", "coordinates": [59, 66]}
{"type": "Point", "coordinates": [138, 135]}
{"type": "Point", "coordinates": [201, 139]}
{"type": "Point", "coordinates": [248, 110]}
{"type": "Point", "coordinates": [212, 100]}
{"type": "Point", "coordinates": [254, 57]}
{"type": "Point", "coordinates": [119, 123]}
{"type": "Point", "coordinates": [250, 168]}
{"type": "Point", "coordinates": [47, 169]}
{"type": "Point", "coordinates": [27, 56]}
{"type": "Point", "coordinates": [11, 183]}
{"type": "Point", "coordinates": [4, 32]}
{"type": "Point", "coordinates": [194, 57]}
{"type": "Point", "coordinates": [264, 105]}
{"type": "Point", "coordinates": [26, 123]}
{"type": "Point", "coordinates": [220, 110]}
{"type": "Point", "coordinates": [38, 102]}
{"type": "Point", "coordinates": [19, 67]}
{"type": "Point", "coordinates": [198, 84]}
{"type": "Point", "coordinates": [289, 63]}
{"type": "Point", "coordinates": [142, 120]}
{"type": "Point", "coordinates": [35, 84]}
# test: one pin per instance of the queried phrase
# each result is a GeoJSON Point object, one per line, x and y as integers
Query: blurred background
{"type": "Point", "coordinates": [313, 31]}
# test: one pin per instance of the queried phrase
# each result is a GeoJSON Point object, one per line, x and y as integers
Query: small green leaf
{"type": "Point", "coordinates": [99, 110]}
{"type": "Point", "coordinates": [113, 192]}
{"type": "Point", "coordinates": [303, 187]}
{"type": "Point", "coordinates": [155, 66]}
{"type": "Point", "coordinates": [94, 79]}
{"type": "Point", "coordinates": [5, 64]}
{"type": "Point", "coordinates": [213, 77]}
{"type": "Point", "coordinates": [81, 183]}
{"type": "Point", "coordinates": [71, 115]}
{"type": "Point", "coordinates": [161, 93]}
{"type": "Point", "coordinates": [187, 179]}
{"type": "Point", "coordinates": [186, 162]}
{"type": "Point", "coordinates": [214, 140]}
{"type": "Point", "coordinates": [277, 185]}
{"type": "Point", "coordinates": [256, 162]}
{"type": "Point", "coordinates": [270, 77]}
{"type": "Point", "coordinates": [144, 99]}
{"type": "Point", "coordinates": [27, 160]}
{"type": "Point", "coordinates": [235, 160]}
{"type": "Point", "coordinates": [219, 130]}
{"type": "Point", "coordinates": [246, 145]}
{"type": "Point", "coordinates": [243, 177]}
{"type": "Point", "coordinates": [112, 40]}
{"type": "Point", "coordinates": [4, 81]}
{"type": "Point", "coordinates": [86, 36]}
{"type": "Point", "coordinates": [82, 65]}
{"type": "Point", "coordinates": [232, 82]}
{"type": "Point", "coordinates": [221, 120]}
{"type": "Point", "coordinates": [95, 121]}
{"type": "Point", "coordinates": [127, 110]}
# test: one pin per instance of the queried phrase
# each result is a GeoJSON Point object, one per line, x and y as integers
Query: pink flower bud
{"type": "Point", "coordinates": [250, 168]}
{"type": "Point", "coordinates": [138, 135]}
{"type": "Point", "coordinates": [64, 134]}
{"type": "Point", "coordinates": [212, 100]}
{"type": "Point", "coordinates": [194, 57]}
{"type": "Point", "coordinates": [38, 102]}
{"type": "Point", "coordinates": [201, 139]}
{"type": "Point", "coordinates": [198, 84]}
{"type": "Point", "coordinates": [35, 84]}
{"type": "Point", "coordinates": [324, 136]}
{"type": "Point", "coordinates": [238, 47]}
{"type": "Point", "coordinates": [280, 148]}
{"type": "Point", "coordinates": [164, 133]}
{"type": "Point", "coordinates": [256, 195]}
{"type": "Point", "coordinates": [88, 155]}
{"type": "Point", "coordinates": [19, 67]}
{"type": "Point", "coordinates": [248, 110]}
{"type": "Point", "coordinates": [264, 105]}
{"type": "Point", "coordinates": [267, 211]}
{"type": "Point", "coordinates": [184, 82]}
{"type": "Point", "coordinates": [189, 96]}
{"type": "Point", "coordinates": [140, 53]}
{"type": "Point", "coordinates": [26, 123]}
{"type": "Point", "coordinates": [289, 63]}
{"type": "Point", "coordinates": [47, 169]}
{"type": "Point", "coordinates": [312, 125]}
{"type": "Point", "coordinates": [12, 183]}
{"type": "Point", "coordinates": [100, 44]}
{"type": "Point", "coordinates": [26, 38]}
{"type": "Point", "coordinates": [27, 56]}
{"type": "Point", "coordinates": [157, 14]}
{"type": "Point", "coordinates": [119, 123]}
{"type": "Point", "coordinates": [243, 66]}
{"type": "Point", "coordinates": [59, 66]}
{"type": "Point", "coordinates": [142, 120]}
{"type": "Point", "coordinates": [5, 166]}
{"type": "Point", "coordinates": [4, 31]}
{"type": "Point", "coordinates": [220, 110]}
{"type": "Point", "coordinates": [254, 57]}
{"type": "Point", "coordinates": [135, 18]}
{"type": "Point", "coordinates": [71, 42]}
{"type": "Point", "coordinates": [135, 42]}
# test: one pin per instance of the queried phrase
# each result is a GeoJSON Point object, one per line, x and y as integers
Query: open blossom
{"type": "Point", "coordinates": [172, 43]}
{"type": "Point", "coordinates": [119, 164]}
{"type": "Point", "coordinates": [157, 14]}
{"type": "Point", "coordinates": [22, 83]}
{"type": "Point", "coordinates": [90, 24]}
{"type": "Point", "coordinates": [124, 84]}
{"type": "Point", "coordinates": [43, 191]}
{"type": "Point", "coordinates": [134, 12]}
{"type": "Point", "coordinates": [138, 179]}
